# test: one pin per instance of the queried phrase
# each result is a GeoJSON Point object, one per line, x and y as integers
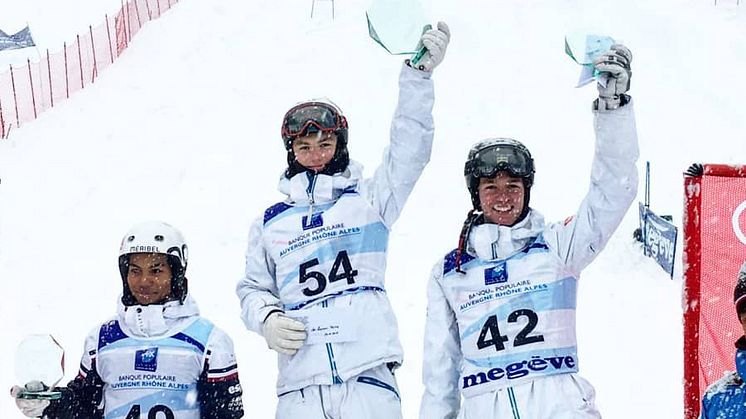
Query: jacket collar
{"type": "Point", "coordinates": [491, 241]}
{"type": "Point", "coordinates": [156, 319]}
{"type": "Point", "coordinates": [306, 188]}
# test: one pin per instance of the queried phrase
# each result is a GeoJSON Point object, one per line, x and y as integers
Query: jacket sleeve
{"type": "Point", "coordinates": [218, 389]}
{"type": "Point", "coordinates": [83, 396]}
{"type": "Point", "coordinates": [257, 290]}
{"type": "Point", "coordinates": [442, 355]}
{"type": "Point", "coordinates": [409, 149]}
{"type": "Point", "coordinates": [613, 188]}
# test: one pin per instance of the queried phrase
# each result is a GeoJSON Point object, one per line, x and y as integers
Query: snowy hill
{"type": "Point", "coordinates": [184, 127]}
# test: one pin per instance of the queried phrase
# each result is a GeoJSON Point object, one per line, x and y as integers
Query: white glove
{"type": "Point", "coordinates": [31, 408]}
{"type": "Point", "coordinates": [615, 63]}
{"type": "Point", "coordinates": [284, 334]}
{"type": "Point", "coordinates": [436, 42]}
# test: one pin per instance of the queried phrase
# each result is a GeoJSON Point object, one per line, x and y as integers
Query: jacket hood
{"type": "Point", "coordinates": [306, 188]}
{"type": "Point", "coordinates": [156, 319]}
{"type": "Point", "coordinates": [492, 241]}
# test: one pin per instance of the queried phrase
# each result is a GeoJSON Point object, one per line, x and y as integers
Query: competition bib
{"type": "Point", "coordinates": [151, 379]}
{"type": "Point", "coordinates": [334, 249]}
{"type": "Point", "coordinates": [516, 318]}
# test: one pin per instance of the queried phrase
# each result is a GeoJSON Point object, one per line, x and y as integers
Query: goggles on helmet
{"type": "Point", "coordinates": [322, 116]}
{"type": "Point", "coordinates": [497, 158]}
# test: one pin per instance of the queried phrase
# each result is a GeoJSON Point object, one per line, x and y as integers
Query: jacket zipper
{"type": "Point", "coordinates": [309, 192]}
{"type": "Point", "coordinates": [329, 351]}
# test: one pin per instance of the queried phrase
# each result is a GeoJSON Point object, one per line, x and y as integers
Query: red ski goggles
{"type": "Point", "coordinates": [322, 116]}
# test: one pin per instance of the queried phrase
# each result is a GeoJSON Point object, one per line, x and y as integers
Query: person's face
{"type": "Point", "coordinates": [149, 278]}
{"type": "Point", "coordinates": [501, 198]}
{"type": "Point", "coordinates": [315, 151]}
{"type": "Point", "coordinates": [742, 318]}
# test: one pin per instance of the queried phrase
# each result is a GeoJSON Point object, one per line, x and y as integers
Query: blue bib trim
{"type": "Point", "coordinates": [275, 210]}
{"type": "Point", "coordinates": [449, 263]}
{"type": "Point", "coordinates": [298, 306]}
{"type": "Point", "coordinates": [110, 333]}
{"type": "Point", "coordinates": [194, 336]}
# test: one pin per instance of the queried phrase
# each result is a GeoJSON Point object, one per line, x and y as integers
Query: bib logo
{"type": "Point", "coordinates": [146, 359]}
{"type": "Point", "coordinates": [496, 275]}
{"type": "Point", "coordinates": [737, 222]}
{"type": "Point", "coordinates": [535, 366]}
{"type": "Point", "coordinates": [316, 221]}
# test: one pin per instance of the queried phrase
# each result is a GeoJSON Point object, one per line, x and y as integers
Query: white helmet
{"type": "Point", "coordinates": [155, 237]}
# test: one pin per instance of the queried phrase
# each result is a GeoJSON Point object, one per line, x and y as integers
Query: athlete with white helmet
{"type": "Point", "coordinates": [500, 332]}
{"type": "Point", "coordinates": [157, 358]}
{"type": "Point", "coordinates": [314, 281]}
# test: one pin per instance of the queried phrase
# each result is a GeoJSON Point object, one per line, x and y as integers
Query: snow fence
{"type": "Point", "coordinates": [28, 90]}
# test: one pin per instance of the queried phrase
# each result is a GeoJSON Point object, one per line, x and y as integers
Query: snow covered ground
{"type": "Point", "coordinates": [185, 128]}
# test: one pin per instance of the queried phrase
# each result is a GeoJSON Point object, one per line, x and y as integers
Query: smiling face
{"type": "Point", "coordinates": [501, 198]}
{"type": "Point", "coordinates": [315, 151]}
{"type": "Point", "coordinates": [149, 278]}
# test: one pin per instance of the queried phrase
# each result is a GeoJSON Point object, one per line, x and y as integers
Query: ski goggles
{"type": "Point", "coordinates": [322, 116]}
{"type": "Point", "coordinates": [499, 158]}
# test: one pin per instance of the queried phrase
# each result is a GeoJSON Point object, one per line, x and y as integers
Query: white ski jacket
{"type": "Point", "coordinates": [324, 249]}
{"type": "Point", "coordinates": [510, 318]}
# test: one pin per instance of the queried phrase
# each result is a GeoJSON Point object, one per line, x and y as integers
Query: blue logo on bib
{"type": "Point", "coordinates": [496, 274]}
{"type": "Point", "coordinates": [316, 221]}
{"type": "Point", "coordinates": [146, 359]}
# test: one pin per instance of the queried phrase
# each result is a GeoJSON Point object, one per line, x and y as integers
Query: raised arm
{"type": "Point", "coordinates": [613, 184]}
{"type": "Point", "coordinates": [411, 134]}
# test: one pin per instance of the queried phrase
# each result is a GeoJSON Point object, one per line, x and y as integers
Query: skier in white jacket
{"type": "Point", "coordinates": [315, 263]}
{"type": "Point", "coordinates": [500, 332]}
{"type": "Point", "coordinates": [157, 358]}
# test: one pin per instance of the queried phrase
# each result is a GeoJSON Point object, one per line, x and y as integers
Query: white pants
{"type": "Point", "coordinates": [562, 396]}
{"type": "Point", "coordinates": [370, 395]}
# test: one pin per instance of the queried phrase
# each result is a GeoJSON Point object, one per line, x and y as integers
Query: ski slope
{"type": "Point", "coordinates": [184, 127]}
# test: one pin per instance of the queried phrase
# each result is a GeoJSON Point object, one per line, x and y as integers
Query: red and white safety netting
{"type": "Point", "coordinates": [714, 250]}
{"type": "Point", "coordinates": [28, 90]}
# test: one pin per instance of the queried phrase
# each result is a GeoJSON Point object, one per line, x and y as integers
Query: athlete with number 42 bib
{"type": "Point", "coordinates": [500, 329]}
{"type": "Point", "coordinates": [314, 280]}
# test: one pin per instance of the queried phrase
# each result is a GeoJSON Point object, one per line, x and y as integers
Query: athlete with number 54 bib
{"type": "Point", "coordinates": [314, 280]}
{"type": "Point", "coordinates": [500, 332]}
